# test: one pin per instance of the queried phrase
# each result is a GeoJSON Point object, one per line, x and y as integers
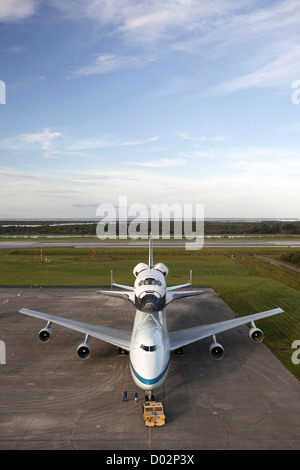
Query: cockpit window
{"type": "Point", "coordinates": [148, 348]}
{"type": "Point", "coordinates": [149, 282]}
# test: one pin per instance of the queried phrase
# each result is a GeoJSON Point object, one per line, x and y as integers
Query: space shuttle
{"type": "Point", "coordinates": [150, 292]}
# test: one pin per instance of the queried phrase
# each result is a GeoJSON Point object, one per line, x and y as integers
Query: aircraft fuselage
{"type": "Point", "coordinates": [149, 350]}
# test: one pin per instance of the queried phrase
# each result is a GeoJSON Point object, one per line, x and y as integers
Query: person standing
{"type": "Point", "coordinates": [135, 397]}
{"type": "Point", "coordinates": [124, 395]}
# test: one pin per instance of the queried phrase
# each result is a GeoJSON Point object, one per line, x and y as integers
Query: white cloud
{"type": "Point", "coordinates": [43, 139]}
{"type": "Point", "coordinates": [16, 10]}
{"type": "Point", "coordinates": [265, 37]}
{"type": "Point", "coordinates": [161, 163]}
{"type": "Point", "coordinates": [15, 174]}
{"type": "Point", "coordinates": [53, 154]}
{"type": "Point", "coordinates": [108, 142]}
{"type": "Point", "coordinates": [54, 144]}
{"type": "Point", "coordinates": [107, 63]}
{"type": "Point", "coordinates": [201, 138]}
{"type": "Point", "coordinates": [250, 182]}
{"type": "Point", "coordinates": [200, 154]}
{"type": "Point", "coordinates": [252, 154]}
{"type": "Point", "coordinates": [40, 140]}
{"type": "Point", "coordinates": [280, 71]}
{"type": "Point", "coordinates": [148, 21]}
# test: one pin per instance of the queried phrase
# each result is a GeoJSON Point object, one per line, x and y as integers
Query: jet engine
{"type": "Point", "coordinates": [84, 351]}
{"type": "Point", "coordinates": [45, 335]}
{"type": "Point", "coordinates": [216, 351]}
{"type": "Point", "coordinates": [162, 268]}
{"type": "Point", "coordinates": [139, 268]}
{"type": "Point", "coordinates": [256, 335]}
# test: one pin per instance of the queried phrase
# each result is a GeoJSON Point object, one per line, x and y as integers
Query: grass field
{"type": "Point", "coordinates": [247, 284]}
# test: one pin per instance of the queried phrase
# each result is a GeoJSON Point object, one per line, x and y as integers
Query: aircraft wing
{"type": "Point", "coordinates": [181, 294]}
{"type": "Point", "coordinates": [189, 335]}
{"type": "Point", "coordinates": [129, 295]}
{"type": "Point", "coordinates": [120, 338]}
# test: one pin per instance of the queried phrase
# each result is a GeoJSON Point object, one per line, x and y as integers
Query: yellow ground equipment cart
{"type": "Point", "coordinates": [153, 413]}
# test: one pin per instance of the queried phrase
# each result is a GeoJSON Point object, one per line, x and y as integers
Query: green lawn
{"type": "Point", "coordinates": [246, 284]}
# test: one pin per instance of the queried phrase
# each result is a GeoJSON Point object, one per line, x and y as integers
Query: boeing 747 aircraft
{"type": "Point", "coordinates": [150, 344]}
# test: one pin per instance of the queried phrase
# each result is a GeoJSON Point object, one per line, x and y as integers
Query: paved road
{"type": "Point", "coordinates": [236, 242]}
{"type": "Point", "coordinates": [278, 263]}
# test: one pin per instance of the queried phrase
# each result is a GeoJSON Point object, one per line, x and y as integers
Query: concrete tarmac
{"type": "Point", "coordinates": [50, 399]}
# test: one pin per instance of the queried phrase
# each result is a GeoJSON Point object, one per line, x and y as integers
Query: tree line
{"type": "Point", "coordinates": [210, 228]}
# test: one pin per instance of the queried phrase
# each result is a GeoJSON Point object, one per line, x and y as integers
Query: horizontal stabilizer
{"type": "Point", "coordinates": [188, 284]}
{"type": "Point", "coordinates": [122, 286]}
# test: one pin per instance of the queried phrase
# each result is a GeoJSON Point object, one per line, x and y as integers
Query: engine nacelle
{"type": "Point", "coordinates": [216, 351]}
{"type": "Point", "coordinates": [139, 268]}
{"type": "Point", "coordinates": [45, 335]}
{"type": "Point", "coordinates": [162, 268]}
{"type": "Point", "coordinates": [256, 335]}
{"type": "Point", "coordinates": [84, 351]}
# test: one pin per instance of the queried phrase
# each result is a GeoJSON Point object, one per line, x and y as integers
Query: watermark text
{"type": "Point", "coordinates": [296, 354]}
{"type": "Point", "coordinates": [2, 92]}
{"type": "Point", "coordinates": [2, 352]}
{"type": "Point", "coordinates": [296, 94]}
{"type": "Point", "coordinates": [165, 221]}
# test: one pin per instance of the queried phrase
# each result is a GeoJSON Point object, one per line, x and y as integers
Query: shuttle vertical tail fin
{"type": "Point", "coordinates": [150, 252]}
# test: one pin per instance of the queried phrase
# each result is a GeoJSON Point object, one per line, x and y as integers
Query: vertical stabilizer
{"type": "Point", "coordinates": [150, 252]}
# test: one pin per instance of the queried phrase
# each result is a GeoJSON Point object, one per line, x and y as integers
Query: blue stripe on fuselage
{"type": "Point", "coordinates": [150, 381]}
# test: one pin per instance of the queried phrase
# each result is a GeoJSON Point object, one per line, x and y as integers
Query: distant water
{"type": "Point", "coordinates": [81, 221]}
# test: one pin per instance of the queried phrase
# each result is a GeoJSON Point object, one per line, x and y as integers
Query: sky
{"type": "Point", "coordinates": [174, 101]}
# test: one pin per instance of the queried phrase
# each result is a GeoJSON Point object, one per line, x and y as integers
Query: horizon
{"type": "Point", "coordinates": [96, 220]}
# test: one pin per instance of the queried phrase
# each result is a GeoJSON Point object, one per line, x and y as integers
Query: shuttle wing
{"type": "Point", "coordinates": [189, 335]}
{"type": "Point", "coordinates": [127, 294]}
{"type": "Point", "coordinates": [181, 294]}
{"type": "Point", "coordinates": [120, 338]}
{"type": "Point", "coordinates": [122, 295]}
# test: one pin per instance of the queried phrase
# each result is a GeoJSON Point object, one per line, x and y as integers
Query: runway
{"type": "Point", "coordinates": [217, 243]}
{"type": "Point", "coordinates": [50, 399]}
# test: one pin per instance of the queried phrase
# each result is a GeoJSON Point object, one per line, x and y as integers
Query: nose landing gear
{"type": "Point", "coordinates": [149, 396]}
